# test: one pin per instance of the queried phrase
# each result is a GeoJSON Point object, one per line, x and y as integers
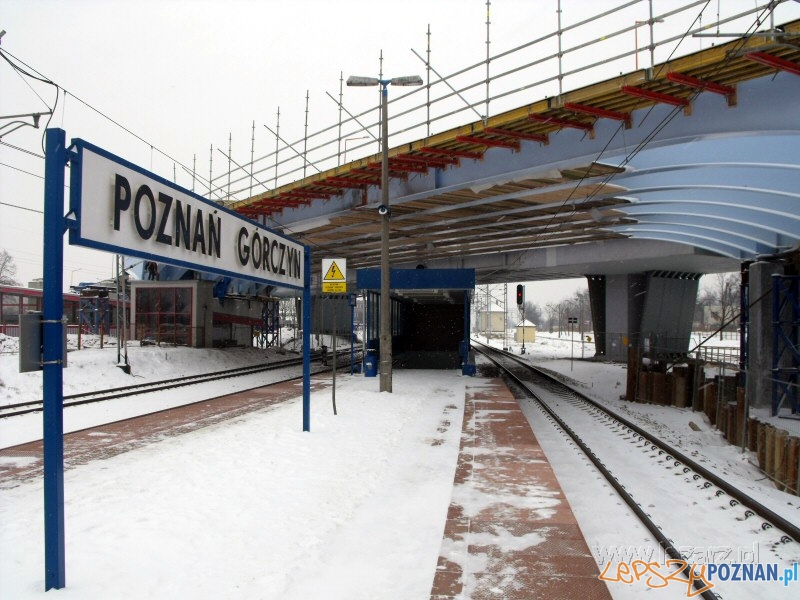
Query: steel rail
{"type": "Point", "coordinates": [762, 511]}
{"type": "Point", "coordinates": [651, 526]}
{"type": "Point", "coordinates": [771, 518]}
{"type": "Point", "coordinates": [154, 386]}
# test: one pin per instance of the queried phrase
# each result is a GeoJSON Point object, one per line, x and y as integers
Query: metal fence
{"type": "Point", "coordinates": [725, 357]}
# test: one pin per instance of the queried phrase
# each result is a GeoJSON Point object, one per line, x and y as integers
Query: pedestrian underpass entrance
{"type": "Point", "coordinates": [430, 317]}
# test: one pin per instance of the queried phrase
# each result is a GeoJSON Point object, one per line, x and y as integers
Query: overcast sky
{"type": "Point", "coordinates": [179, 76]}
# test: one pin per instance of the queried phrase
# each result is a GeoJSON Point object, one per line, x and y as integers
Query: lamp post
{"type": "Point", "coordinates": [72, 275]}
{"type": "Point", "coordinates": [385, 341]}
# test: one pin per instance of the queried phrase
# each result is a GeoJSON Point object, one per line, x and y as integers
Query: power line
{"type": "Point", "coordinates": [22, 207]}
{"type": "Point", "coordinates": [40, 77]}
{"type": "Point", "coordinates": [2, 164]}
{"type": "Point", "coordinates": [13, 147]}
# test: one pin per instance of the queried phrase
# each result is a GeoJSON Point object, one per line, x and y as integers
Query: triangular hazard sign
{"type": "Point", "coordinates": [334, 273]}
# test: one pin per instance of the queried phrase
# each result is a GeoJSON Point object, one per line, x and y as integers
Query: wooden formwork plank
{"type": "Point", "coordinates": [710, 402]}
{"type": "Point", "coordinates": [793, 466]}
{"type": "Point", "coordinates": [779, 460]}
{"type": "Point", "coordinates": [697, 379]}
{"type": "Point", "coordinates": [679, 391]}
{"type": "Point", "coordinates": [740, 417]}
{"type": "Point", "coordinates": [659, 387]}
{"type": "Point", "coordinates": [644, 387]}
{"type": "Point", "coordinates": [632, 375]}
{"type": "Point", "coordinates": [769, 458]}
{"type": "Point", "coordinates": [752, 434]}
{"type": "Point", "coordinates": [730, 420]}
{"type": "Point", "coordinates": [761, 446]}
{"type": "Point", "coordinates": [669, 390]}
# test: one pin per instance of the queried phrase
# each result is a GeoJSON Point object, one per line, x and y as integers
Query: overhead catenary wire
{"type": "Point", "coordinates": [35, 74]}
{"type": "Point", "coordinates": [41, 212]}
{"type": "Point", "coordinates": [19, 149]}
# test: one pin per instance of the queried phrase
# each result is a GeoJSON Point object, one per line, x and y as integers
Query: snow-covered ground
{"type": "Point", "coordinates": [254, 508]}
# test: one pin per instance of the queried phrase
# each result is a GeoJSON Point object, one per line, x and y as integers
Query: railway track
{"type": "Point", "coordinates": [22, 408]}
{"type": "Point", "coordinates": [593, 428]}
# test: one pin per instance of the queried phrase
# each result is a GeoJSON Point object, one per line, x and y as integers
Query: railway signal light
{"type": "Point", "coordinates": [520, 294]}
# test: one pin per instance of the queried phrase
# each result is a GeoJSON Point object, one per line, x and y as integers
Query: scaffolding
{"type": "Point", "coordinates": [95, 314]}
{"type": "Point", "coordinates": [636, 34]}
{"type": "Point", "coordinates": [269, 330]}
{"type": "Point", "coordinates": [785, 344]}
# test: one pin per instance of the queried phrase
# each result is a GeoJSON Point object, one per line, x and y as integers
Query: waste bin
{"type": "Point", "coordinates": [370, 364]}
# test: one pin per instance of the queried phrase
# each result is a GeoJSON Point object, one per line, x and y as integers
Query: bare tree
{"type": "Point", "coordinates": [723, 297]}
{"type": "Point", "coordinates": [533, 313]}
{"type": "Point", "coordinates": [702, 309]}
{"type": "Point", "coordinates": [554, 314]}
{"type": "Point", "coordinates": [8, 269]}
{"type": "Point", "coordinates": [578, 306]}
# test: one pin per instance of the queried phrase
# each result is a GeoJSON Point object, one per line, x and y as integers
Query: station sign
{"type": "Point", "coordinates": [120, 207]}
{"type": "Point", "coordinates": [334, 275]}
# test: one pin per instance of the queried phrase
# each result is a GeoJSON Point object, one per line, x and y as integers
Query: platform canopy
{"type": "Point", "coordinates": [421, 285]}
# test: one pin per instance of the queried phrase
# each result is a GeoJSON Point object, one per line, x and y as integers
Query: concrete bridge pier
{"type": "Point", "coordinates": [653, 310]}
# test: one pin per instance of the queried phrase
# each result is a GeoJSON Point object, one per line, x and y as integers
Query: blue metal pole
{"type": "Point", "coordinates": [776, 326]}
{"type": "Point", "coordinates": [352, 333]}
{"type": "Point", "coordinates": [53, 358]}
{"type": "Point", "coordinates": [307, 342]}
{"type": "Point", "coordinates": [467, 309]}
{"type": "Point", "coordinates": [368, 319]}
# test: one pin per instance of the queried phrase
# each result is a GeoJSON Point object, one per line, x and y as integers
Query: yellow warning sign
{"type": "Point", "coordinates": [334, 279]}
{"type": "Point", "coordinates": [334, 287]}
{"type": "Point", "coordinates": [334, 273]}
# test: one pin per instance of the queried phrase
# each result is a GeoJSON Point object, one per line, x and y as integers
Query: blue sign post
{"type": "Point", "coordinates": [53, 358]}
{"type": "Point", "coordinates": [307, 342]}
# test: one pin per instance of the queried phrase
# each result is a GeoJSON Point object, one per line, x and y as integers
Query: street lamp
{"type": "Point", "coordinates": [385, 341]}
{"type": "Point", "coordinates": [72, 275]}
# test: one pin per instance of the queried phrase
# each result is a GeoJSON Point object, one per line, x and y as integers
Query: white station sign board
{"type": "Point", "coordinates": [122, 208]}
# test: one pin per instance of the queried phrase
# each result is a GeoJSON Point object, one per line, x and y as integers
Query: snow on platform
{"type": "Point", "coordinates": [510, 532]}
{"type": "Point", "coordinates": [255, 508]}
